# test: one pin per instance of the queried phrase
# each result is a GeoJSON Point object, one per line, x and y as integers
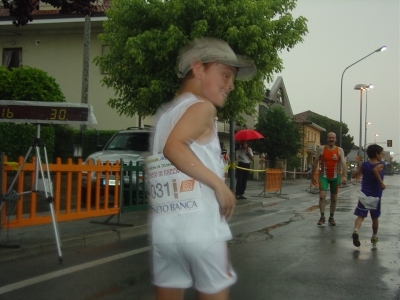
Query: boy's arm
{"type": "Point", "coordinates": [377, 170]}
{"type": "Point", "coordinates": [196, 124]}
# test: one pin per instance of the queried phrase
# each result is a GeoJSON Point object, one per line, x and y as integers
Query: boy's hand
{"type": "Point", "coordinates": [383, 186]}
{"type": "Point", "coordinates": [344, 180]}
{"type": "Point", "coordinates": [226, 200]}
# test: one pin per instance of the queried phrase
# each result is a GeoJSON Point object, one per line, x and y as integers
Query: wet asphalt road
{"type": "Point", "coordinates": [278, 252]}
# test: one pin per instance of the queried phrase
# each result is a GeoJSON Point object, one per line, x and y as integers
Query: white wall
{"type": "Point", "coordinates": [60, 54]}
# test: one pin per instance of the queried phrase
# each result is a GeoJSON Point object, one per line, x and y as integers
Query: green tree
{"type": "Point", "coordinates": [333, 126]}
{"type": "Point", "coordinates": [282, 136]}
{"type": "Point", "coordinates": [144, 37]}
{"type": "Point", "coordinates": [29, 84]}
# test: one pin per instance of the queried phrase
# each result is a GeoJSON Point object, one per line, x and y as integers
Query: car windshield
{"type": "Point", "coordinates": [134, 141]}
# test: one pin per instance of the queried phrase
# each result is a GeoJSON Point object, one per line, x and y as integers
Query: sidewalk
{"type": "Point", "coordinates": [34, 240]}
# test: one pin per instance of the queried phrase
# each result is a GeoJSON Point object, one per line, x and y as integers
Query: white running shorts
{"type": "Point", "coordinates": [205, 266]}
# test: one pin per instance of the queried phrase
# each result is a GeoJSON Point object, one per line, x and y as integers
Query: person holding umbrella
{"type": "Point", "coordinates": [244, 156]}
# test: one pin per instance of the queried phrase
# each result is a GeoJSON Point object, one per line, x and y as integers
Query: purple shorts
{"type": "Point", "coordinates": [363, 212]}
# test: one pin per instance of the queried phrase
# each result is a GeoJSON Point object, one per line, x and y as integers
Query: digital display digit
{"type": "Point", "coordinates": [45, 112]}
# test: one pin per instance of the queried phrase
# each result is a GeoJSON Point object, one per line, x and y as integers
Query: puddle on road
{"type": "Point", "coordinates": [255, 236]}
{"type": "Point", "coordinates": [344, 209]}
{"type": "Point", "coordinates": [112, 290]}
{"type": "Point", "coordinates": [312, 208]}
{"type": "Point", "coordinates": [263, 234]}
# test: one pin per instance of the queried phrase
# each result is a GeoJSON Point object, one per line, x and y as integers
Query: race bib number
{"type": "Point", "coordinates": [170, 190]}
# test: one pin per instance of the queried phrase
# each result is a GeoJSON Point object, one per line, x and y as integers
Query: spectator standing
{"type": "Point", "coordinates": [244, 157]}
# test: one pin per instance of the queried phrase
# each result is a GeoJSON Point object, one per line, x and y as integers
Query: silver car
{"type": "Point", "coordinates": [130, 145]}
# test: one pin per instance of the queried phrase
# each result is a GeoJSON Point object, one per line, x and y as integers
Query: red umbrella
{"type": "Point", "coordinates": [247, 134]}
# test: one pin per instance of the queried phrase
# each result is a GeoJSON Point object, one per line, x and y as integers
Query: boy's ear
{"type": "Point", "coordinates": [197, 68]}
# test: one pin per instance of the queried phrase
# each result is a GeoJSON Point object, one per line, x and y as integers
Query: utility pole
{"type": "Point", "coordinates": [85, 70]}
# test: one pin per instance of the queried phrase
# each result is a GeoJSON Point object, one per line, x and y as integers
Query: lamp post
{"type": "Point", "coordinates": [360, 87]}
{"type": "Point", "coordinates": [383, 48]}
{"type": "Point", "coordinates": [365, 135]}
{"type": "Point", "coordinates": [371, 86]}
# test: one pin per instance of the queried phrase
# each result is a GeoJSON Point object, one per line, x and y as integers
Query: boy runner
{"type": "Point", "coordinates": [189, 239]}
{"type": "Point", "coordinates": [371, 187]}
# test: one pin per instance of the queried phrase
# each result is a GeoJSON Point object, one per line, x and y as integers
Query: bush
{"type": "Point", "coordinates": [5, 84]}
{"type": "Point", "coordinates": [16, 139]}
{"type": "Point", "coordinates": [34, 85]}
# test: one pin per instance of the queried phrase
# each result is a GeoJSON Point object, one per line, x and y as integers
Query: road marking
{"type": "Point", "coordinates": [41, 278]}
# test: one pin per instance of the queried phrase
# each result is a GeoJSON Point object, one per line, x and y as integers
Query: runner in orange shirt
{"type": "Point", "coordinates": [332, 161]}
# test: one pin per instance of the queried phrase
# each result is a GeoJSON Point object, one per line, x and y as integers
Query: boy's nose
{"type": "Point", "coordinates": [231, 86]}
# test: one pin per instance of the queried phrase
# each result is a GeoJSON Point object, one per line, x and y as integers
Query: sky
{"type": "Point", "coordinates": [340, 33]}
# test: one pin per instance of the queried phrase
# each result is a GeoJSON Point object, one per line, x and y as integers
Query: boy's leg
{"type": "Point", "coordinates": [375, 225]}
{"type": "Point", "coordinates": [169, 293]}
{"type": "Point", "coordinates": [375, 214]}
{"type": "Point", "coordinates": [357, 225]}
{"type": "Point", "coordinates": [222, 295]}
{"type": "Point", "coordinates": [358, 222]}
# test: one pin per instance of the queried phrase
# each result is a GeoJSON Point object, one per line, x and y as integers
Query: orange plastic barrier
{"type": "Point", "coordinates": [67, 193]}
{"type": "Point", "coordinates": [273, 180]}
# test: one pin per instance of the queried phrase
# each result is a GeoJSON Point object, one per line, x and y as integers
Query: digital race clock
{"type": "Point", "coordinates": [46, 112]}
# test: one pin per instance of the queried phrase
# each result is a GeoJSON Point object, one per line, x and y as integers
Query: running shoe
{"type": "Point", "coordinates": [242, 197]}
{"type": "Point", "coordinates": [356, 240]}
{"type": "Point", "coordinates": [332, 221]}
{"type": "Point", "coordinates": [374, 240]}
{"type": "Point", "coordinates": [321, 221]}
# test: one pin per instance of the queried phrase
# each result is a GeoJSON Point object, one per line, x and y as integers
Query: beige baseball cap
{"type": "Point", "coordinates": [214, 50]}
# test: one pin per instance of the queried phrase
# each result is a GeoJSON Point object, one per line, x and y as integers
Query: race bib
{"type": "Point", "coordinates": [170, 190]}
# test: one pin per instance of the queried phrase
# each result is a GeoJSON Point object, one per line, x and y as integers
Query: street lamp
{"type": "Point", "coordinates": [375, 137]}
{"type": "Point", "coordinates": [360, 87]}
{"type": "Point", "coordinates": [383, 48]}
{"type": "Point", "coordinates": [371, 86]}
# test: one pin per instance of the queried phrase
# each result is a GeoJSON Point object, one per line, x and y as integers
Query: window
{"type": "Point", "coordinates": [280, 97]}
{"type": "Point", "coordinates": [12, 57]}
{"type": "Point", "coordinates": [262, 110]}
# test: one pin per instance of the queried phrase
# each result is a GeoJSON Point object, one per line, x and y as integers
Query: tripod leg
{"type": "Point", "coordinates": [49, 196]}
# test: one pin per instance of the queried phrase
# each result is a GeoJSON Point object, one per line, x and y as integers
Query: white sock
{"type": "Point", "coordinates": [355, 229]}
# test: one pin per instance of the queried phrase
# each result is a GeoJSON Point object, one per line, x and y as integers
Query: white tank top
{"type": "Point", "coordinates": [198, 226]}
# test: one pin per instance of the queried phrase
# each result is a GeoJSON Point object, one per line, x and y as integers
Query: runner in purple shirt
{"type": "Point", "coordinates": [371, 192]}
